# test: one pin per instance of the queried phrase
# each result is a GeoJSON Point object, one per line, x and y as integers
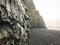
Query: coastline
{"type": "Point", "coordinates": [54, 27]}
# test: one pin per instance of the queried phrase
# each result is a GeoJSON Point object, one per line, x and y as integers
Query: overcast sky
{"type": "Point", "coordinates": [49, 10]}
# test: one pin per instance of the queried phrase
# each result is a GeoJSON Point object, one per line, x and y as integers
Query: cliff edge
{"type": "Point", "coordinates": [35, 18]}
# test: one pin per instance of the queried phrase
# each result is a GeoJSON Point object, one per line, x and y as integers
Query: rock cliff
{"type": "Point", "coordinates": [14, 23]}
{"type": "Point", "coordinates": [36, 19]}
{"type": "Point", "coordinates": [16, 16]}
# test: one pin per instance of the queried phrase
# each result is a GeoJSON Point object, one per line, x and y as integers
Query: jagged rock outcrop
{"type": "Point", "coordinates": [15, 19]}
{"type": "Point", "coordinates": [35, 18]}
{"type": "Point", "coordinates": [14, 23]}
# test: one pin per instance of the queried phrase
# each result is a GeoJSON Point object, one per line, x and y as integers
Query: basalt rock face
{"type": "Point", "coordinates": [35, 18]}
{"type": "Point", "coordinates": [14, 23]}
{"type": "Point", "coordinates": [16, 17]}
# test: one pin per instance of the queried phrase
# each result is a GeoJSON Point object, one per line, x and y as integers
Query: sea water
{"type": "Point", "coordinates": [54, 27]}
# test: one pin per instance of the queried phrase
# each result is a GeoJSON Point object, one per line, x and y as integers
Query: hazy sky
{"type": "Point", "coordinates": [49, 10]}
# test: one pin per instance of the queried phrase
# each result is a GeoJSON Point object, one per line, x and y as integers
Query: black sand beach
{"type": "Point", "coordinates": [39, 36]}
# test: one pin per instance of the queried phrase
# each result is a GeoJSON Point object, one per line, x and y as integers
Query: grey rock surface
{"type": "Point", "coordinates": [14, 23]}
